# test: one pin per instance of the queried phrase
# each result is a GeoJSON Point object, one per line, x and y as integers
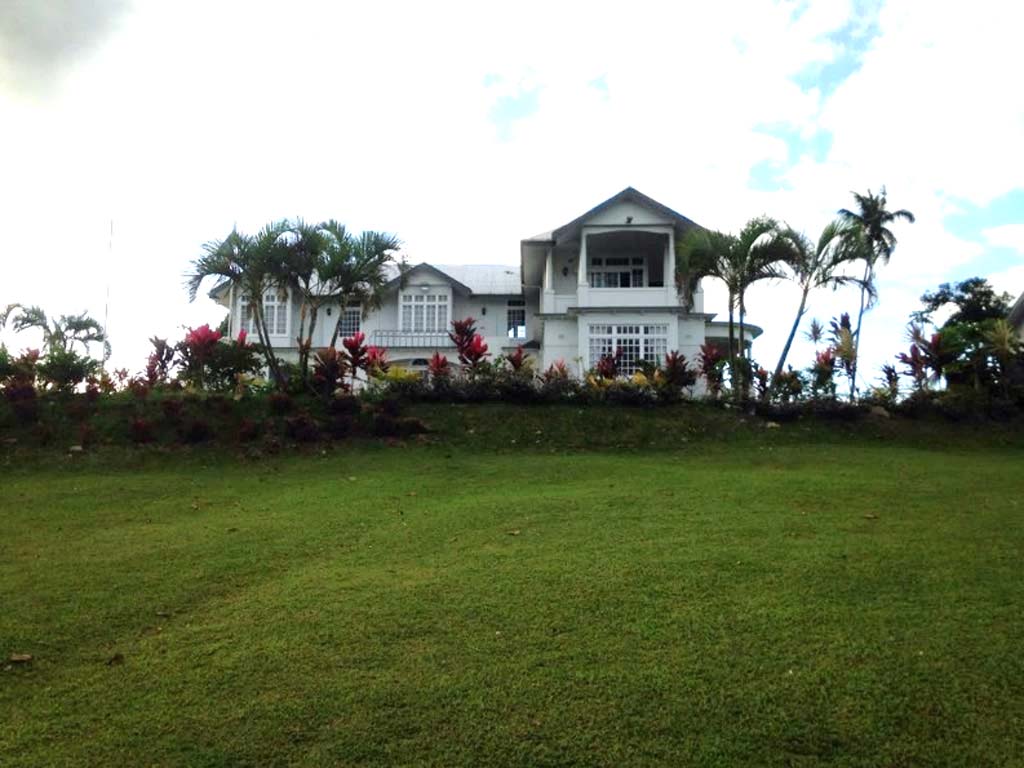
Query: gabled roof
{"type": "Point", "coordinates": [478, 279]}
{"type": "Point", "coordinates": [571, 230]}
{"type": "Point", "coordinates": [1016, 316]}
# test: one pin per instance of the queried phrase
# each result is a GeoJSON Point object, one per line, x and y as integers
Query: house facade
{"type": "Point", "coordinates": [602, 283]}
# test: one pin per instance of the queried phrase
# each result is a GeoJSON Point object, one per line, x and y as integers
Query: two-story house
{"type": "Point", "coordinates": [603, 282]}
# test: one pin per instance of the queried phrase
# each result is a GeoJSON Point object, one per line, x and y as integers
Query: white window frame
{"type": "Point", "coordinates": [649, 340]}
{"type": "Point", "coordinates": [599, 266]}
{"type": "Point", "coordinates": [515, 332]}
{"type": "Point", "coordinates": [434, 305]}
{"type": "Point", "coordinates": [347, 314]}
{"type": "Point", "coordinates": [275, 300]}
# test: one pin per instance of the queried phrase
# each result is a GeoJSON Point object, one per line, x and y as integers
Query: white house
{"type": "Point", "coordinates": [601, 283]}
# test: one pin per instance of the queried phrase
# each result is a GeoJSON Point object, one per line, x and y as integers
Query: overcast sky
{"type": "Point", "coordinates": [465, 128]}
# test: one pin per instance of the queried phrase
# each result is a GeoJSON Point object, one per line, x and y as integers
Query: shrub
{"type": "Point", "coordinates": [159, 363]}
{"type": "Point", "coordinates": [280, 403]}
{"type": "Point", "coordinates": [355, 353]}
{"type": "Point", "coordinates": [172, 409]}
{"type": "Point", "coordinates": [712, 366]}
{"type": "Point", "coordinates": [340, 425]}
{"type": "Point", "coordinates": [64, 369]}
{"type": "Point", "coordinates": [195, 352]}
{"type": "Point", "coordinates": [343, 405]}
{"type": "Point", "coordinates": [249, 430]}
{"type": "Point", "coordinates": [328, 371]}
{"type": "Point", "coordinates": [302, 428]}
{"type": "Point", "coordinates": [196, 431]}
{"type": "Point", "coordinates": [608, 365]}
{"type": "Point", "coordinates": [140, 430]}
{"type": "Point", "coordinates": [440, 370]}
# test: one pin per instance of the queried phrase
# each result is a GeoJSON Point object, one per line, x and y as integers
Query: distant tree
{"type": "Point", "coordinates": [974, 329]}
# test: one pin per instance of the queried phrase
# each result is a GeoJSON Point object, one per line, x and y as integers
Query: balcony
{"type": "Point", "coordinates": [411, 339]}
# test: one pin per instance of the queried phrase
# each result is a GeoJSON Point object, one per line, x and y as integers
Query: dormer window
{"type": "Point", "coordinates": [424, 312]}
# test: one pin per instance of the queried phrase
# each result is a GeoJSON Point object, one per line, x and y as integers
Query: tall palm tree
{"type": "Point", "coordinates": [815, 266]}
{"type": "Point", "coordinates": [301, 268]}
{"type": "Point", "coordinates": [761, 249]}
{"type": "Point", "coordinates": [708, 253]}
{"type": "Point", "coordinates": [356, 268]}
{"type": "Point", "coordinates": [251, 264]}
{"type": "Point", "coordinates": [870, 224]}
{"type": "Point", "coordinates": [739, 261]}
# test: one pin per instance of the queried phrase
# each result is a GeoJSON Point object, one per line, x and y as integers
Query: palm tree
{"type": "Point", "coordinates": [301, 269]}
{"type": "Point", "coordinates": [761, 248]}
{"type": "Point", "coordinates": [870, 225]}
{"type": "Point", "coordinates": [356, 269]}
{"type": "Point", "coordinates": [708, 253]}
{"type": "Point", "coordinates": [60, 335]}
{"type": "Point", "coordinates": [817, 266]}
{"type": "Point", "coordinates": [1002, 343]}
{"type": "Point", "coordinates": [252, 265]}
{"type": "Point", "coordinates": [739, 261]}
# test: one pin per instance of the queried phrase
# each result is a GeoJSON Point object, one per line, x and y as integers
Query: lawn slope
{"type": "Point", "coordinates": [778, 602]}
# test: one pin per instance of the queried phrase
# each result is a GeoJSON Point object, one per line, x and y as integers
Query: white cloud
{"type": "Point", "coordinates": [1006, 236]}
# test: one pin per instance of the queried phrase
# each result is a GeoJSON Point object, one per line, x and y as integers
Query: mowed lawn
{"type": "Point", "coordinates": [855, 604]}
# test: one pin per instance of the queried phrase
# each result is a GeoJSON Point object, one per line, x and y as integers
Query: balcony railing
{"type": "Point", "coordinates": [411, 339]}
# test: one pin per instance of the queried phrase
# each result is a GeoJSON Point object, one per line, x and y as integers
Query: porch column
{"type": "Point", "coordinates": [582, 288]}
{"type": "Point", "coordinates": [672, 294]}
{"type": "Point", "coordinates": [581, 277]}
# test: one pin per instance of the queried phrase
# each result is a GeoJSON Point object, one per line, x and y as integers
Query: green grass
{"type": "Point", "coordinates": [797, 596]}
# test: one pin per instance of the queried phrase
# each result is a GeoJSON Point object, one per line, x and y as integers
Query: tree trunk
{"type": "Point", "coordinates": [856, 336]}
{"type": "Point", "coordinates": [264, 334]}
{"type": "Point", "coordinates": [732, 344]}
{"type": "Point", "coordinates": [744, 394]}
{"type": "Point", "coordinates": [301, 339]}
{"type": "Point", "coordinates": [342, 304]}
{"type": "Point", "coordinates": [792, 335]}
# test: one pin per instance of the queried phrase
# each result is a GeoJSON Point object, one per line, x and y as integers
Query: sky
{"type": "Point", "coordinates": [465, 127]}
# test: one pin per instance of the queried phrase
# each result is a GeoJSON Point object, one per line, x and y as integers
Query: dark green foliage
{"type": "Point", "coordinates": [196, 430]}
{"type": "Point", "coordinates": [302, 428]}
{"type": "Point", "coordinates": [141, 430]}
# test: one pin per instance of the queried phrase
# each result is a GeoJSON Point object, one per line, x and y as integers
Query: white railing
{"type": "Point", "coordinates": [411, 339]}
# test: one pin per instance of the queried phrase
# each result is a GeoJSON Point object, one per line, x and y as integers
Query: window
{"type": "Point", "coordinates": [516, 319]}
{"type": "Point", "coordinates": [275, 313]}
{"type": "Point", "coordinates": [617, 272]}
{"type": "Point", "coordinates": [635, 343]}
{"type": "Point", "coordinates": [351, 320]}
{"type": "Point", "coordinates": [424, 312]}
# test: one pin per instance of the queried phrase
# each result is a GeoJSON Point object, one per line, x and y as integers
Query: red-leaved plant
{"type": "Point", "coordinates": [677, 373]}
{"type": "Point", "coordinates": [557, 371]}
{"type": "Point", "coordinates": [518, 359]}
{"type": "Point", "coordinates": [469, 344]}
{"type": "Point", "coordinates": [377, 362]}
{"type": "Point", "coordinates": [608, 365]}
{"type": "Point", "coordinates": [196, 351]}
{"type": "Point", "coordinates": [711, 361]}
{"type": "Point", "coordinates": [355, 352]}
{"type": "Point", "coordinates": [328, 371]}
{"type": "Point", "coordinates": [440, 369]}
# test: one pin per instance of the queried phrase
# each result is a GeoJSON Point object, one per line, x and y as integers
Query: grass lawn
{"type": "Point", "coordinates": [770, 600]}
